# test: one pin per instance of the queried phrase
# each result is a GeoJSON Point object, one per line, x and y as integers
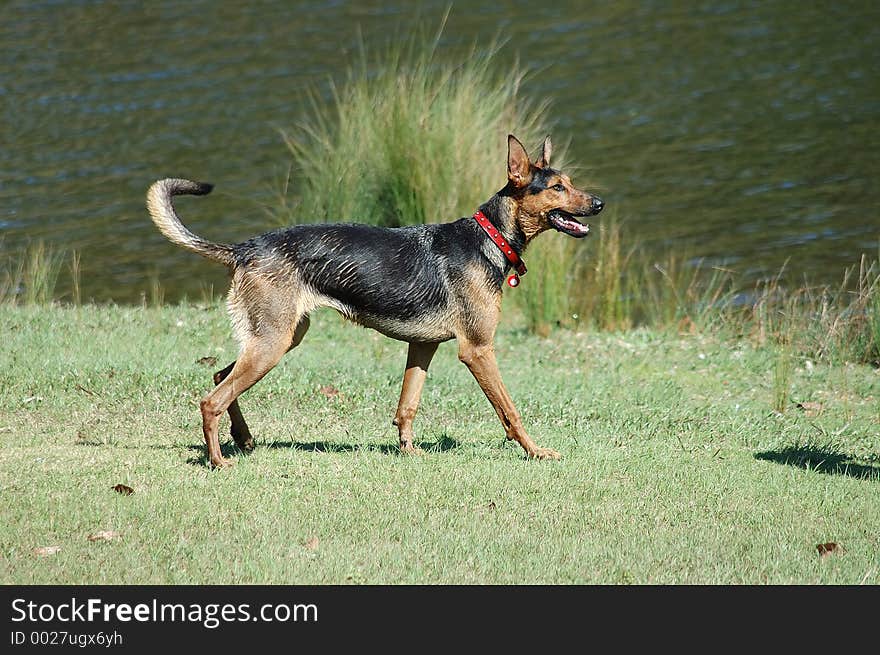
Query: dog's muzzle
{"type": "Point", "coordinates": [568, 223]}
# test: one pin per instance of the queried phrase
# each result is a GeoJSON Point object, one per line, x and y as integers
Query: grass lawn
{"type": "Point", "coordinates": [675, 467]}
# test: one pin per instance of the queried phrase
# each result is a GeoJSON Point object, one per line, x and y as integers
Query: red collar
{"type": "Point", "coordinates": [503, 245]}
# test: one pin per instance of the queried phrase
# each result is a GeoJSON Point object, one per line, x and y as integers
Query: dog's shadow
{"type": "Point", "coordinates": [820, 460]}
{"type": "Point", "coordinates": [229, 449]}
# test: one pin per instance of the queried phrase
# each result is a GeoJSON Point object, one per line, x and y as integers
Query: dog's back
{"type": "Point", "coordinates": [399, 281]}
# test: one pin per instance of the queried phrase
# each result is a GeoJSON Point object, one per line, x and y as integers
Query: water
{"type": "Point", "coordinates": [741, 132]}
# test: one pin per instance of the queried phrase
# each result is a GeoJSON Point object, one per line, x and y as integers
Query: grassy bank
{"type": "Point", "coordinates": [677, 468]}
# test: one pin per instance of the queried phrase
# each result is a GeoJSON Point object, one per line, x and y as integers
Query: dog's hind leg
{"type": "Point", "coordinates": [258, 356]}
{"type": "Point", "coordinates": [239, 429]}
{"type": "Point", "coordinates": [418, 358]}
{"type": "Point", "coordinates": [479, 357]}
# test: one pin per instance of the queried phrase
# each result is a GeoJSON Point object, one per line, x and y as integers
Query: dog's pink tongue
{"type": "Point", "coordinates": [571, 226]}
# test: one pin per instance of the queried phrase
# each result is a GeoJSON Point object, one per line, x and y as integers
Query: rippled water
{"type": "Point", "coordinates": [743, 132]}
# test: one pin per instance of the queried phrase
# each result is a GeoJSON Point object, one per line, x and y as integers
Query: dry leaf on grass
{"type": "Point", "coordinates": [123, 489]}
{"type": "Point", "coordinates": [311, 543]}
{"type": "Point", "coordinates": [45, 551]}
{"type": "Point", "coordinates": [104, 535]}
{"type": "Point", "coordinates": [329, 391]}
{"type": "Point", "coordinates": [830, 548]}
{"type": "Point", "coordinates": [207, 361]}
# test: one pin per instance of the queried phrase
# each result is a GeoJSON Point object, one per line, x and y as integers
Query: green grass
{"type": "Point", "coordinates": [676, 467]}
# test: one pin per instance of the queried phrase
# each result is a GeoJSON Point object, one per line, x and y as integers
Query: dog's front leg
{"type": "Point", "coordinates": [480, 360]}
{"type": "Point", "coordinates": [418, 358]}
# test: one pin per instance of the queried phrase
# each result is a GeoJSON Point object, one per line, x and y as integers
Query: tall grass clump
{"type": "Point", "coordinates": [544, 294]}
{"type": "Point", "coordinates": [688, 295]}
{"type": "Point", "coordinates": [782, 326]}
{"type": "Point", "coordinates": [873, 354]}
{"type": "Point", "coordinates": [835, 324]}
{"type": "Point", "coordinates": [30, 277]}
{"type": "Point", "coordinates": [75, 270]}
{"type": "Point", "coordinates": [617, 287]}
{"type": "Point", "coordinates": [409, 139]}
{"type": "Point", "coordinates": [861, 325]}
{"type": "Point", "coordinates": [599, 296]}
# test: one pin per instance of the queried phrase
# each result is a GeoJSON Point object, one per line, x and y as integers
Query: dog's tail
{"type": "Point", "coordinates": [163, 215]}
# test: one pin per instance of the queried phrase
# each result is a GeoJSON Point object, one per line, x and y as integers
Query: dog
{"type": "Point", "coordinates": [422, 284]}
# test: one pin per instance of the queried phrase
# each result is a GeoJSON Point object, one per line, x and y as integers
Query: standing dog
{"type": "Point", "coordinates": [422, 284]}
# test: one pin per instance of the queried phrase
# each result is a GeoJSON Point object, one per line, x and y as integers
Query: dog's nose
{"type": "Point", "coordinates": [597, 205]}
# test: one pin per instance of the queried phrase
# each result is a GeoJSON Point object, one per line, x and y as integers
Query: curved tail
{"type": "Point", "coordinates": [163, 215]}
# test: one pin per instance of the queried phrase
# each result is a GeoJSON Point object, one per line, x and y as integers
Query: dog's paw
{"type": "Point", "coordinates": [409, 449]}
{"type": "Point", "coordinates": [221, 463]}
{"type": "Point", "coordinates": [243, 439]}
{"type": "Point", "coordinates": [545, 453]}
{"type": "Point", "coordinates": [247, 447]}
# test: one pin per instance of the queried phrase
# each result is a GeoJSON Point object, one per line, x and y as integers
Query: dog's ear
{"type": "Point", "coordinates": [547, 150]}
{"type": "Point", "coordinates": [519, 168]}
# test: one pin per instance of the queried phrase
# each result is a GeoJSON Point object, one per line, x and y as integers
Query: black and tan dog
{"type": "Point", "coordinates": [422, 284]}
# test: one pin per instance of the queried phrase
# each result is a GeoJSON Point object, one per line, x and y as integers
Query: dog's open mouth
{"type": "Point", "coordinates": [565, 222]}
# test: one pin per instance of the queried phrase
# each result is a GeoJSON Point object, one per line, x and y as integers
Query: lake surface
{"type": "Point", "coordinates": [742, 132]}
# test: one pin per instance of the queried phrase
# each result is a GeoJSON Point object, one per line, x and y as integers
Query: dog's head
{"type": "Point", "coordinates": [545, 197]}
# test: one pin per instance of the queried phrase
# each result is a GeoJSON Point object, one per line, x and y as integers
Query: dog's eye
{"type": "Point", "coordinates": [558, 187]}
